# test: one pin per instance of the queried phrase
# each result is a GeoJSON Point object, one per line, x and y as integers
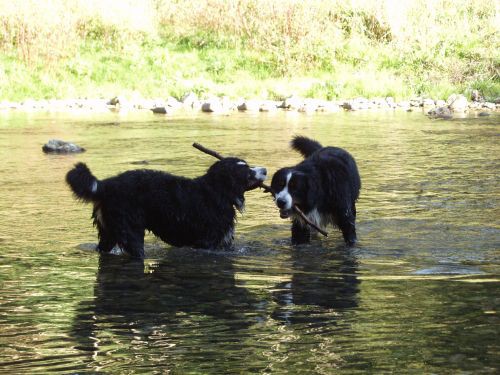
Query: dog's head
{"type": "Point", "coordinates": [290, 187]}
{"type": "Point", "coordinates": [236, 176]}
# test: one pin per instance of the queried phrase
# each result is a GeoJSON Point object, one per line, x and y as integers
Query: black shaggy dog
{"type": "Point", "coordinates": [197, 212]}
{"type": "Point", "coordinates": [325, 186]}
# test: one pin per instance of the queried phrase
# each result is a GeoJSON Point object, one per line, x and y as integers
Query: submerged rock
{"type": "Point", "coordinates": [160, 110]}
{"type": "Point", "coordinates": [489, 105]}
{"type": "Point", "coordinates": [440, 112]}
{"type": "Point", "coordinates": [61, 147]}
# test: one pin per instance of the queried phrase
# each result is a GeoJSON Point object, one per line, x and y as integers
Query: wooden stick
{"type": "Point", "coordinates": [267, 189]}
{"type": "Point", "coordinates": [208, 151]}
{"type": "Point", "coordinates": [306, 219]}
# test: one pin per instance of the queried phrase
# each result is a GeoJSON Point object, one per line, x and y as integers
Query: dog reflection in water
{"type": "Point", "coordinates": [154, 302]}
{"type": "Point", "coordinates": [323, 281]}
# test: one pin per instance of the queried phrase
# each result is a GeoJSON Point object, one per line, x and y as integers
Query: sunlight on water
{"type": "Point", "coordinates": [419, 294]}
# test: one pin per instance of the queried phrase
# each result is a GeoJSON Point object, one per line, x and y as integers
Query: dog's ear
{"type": "Point", "coordinates": [299, 183]}
{"type": "Point", "coordinates": [301, 177]}
{"type": "Point", "coordinates": [279, 178]}
{"type": "Point", "coordinates": [299, 173]}
{"type": "Point", "coordinates": [312, 188]}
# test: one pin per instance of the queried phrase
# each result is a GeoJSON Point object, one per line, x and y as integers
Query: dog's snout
{"type": "Point", "coordinates": [260, 173]}
{"type": "Point", "coordinates": [281, 203]}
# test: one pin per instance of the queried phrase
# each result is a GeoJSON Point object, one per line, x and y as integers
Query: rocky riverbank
{"type": "Point", "coordinates": [455, 105]}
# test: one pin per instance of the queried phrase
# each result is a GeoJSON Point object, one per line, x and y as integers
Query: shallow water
{"type": "Point", "coordinates": [419, 294]}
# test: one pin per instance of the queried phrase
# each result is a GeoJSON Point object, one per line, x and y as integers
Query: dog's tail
{"type": "Point", "coordinates": [83, 183]}
{"type": "Point", "coordinates": [304, 145]}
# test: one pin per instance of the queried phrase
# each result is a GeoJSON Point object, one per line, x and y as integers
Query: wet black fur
{"type": "Point", "coordinates": [197, 212]}
{"type": "Point", "coordinates": [327, 180]}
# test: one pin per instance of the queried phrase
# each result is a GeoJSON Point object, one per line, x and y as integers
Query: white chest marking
{"type": "Point", "coordinates": [317, 218]}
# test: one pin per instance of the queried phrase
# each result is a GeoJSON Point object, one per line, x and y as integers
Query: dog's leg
{"type": "Point", "coordinates": [106, 242]}
{"type": "Point", "coordinates": [300, 233]}
{"type": "Point", "coordinates": [347, 224]}
{"type": "Point", "coordinates": [134, 245]}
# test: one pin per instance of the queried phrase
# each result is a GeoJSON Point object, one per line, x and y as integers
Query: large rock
{"type": "Point", "coordinates": [457, 103]}
{"type": "Point", "coordinates": [475, 105]}
{"type": "Point", "coordinates": [379, 103]}
{"type": "Point", "coordinates": [167, 106]}
{"type": "Point", "coordinates": [5, 104]}
{"type": "Point", "coordinates": [249, 105]}
{"type": "Point", "coordinates": [405, 105]}
{"type": "Point", "coordinates": [113, 101]}
{"type": "Point", "coordinates": [190, 100]}
{"type": "Point", "coordinates": [417, 102]}
{"type": "Point", "coordinates": [489, 105]}
{"type": "Point", "coordinates": [357, 104]}
{"type": "Point", "coordinates": [391, 103]}
{"type": "Point", "coordinates": [309, 106]}
{"type": "Point", "coordinates": [118, 103]}
{"type": "Point", "coordinates": [328, 106]}
{"type": "Point", "coordinates": [427, 102]}
{"type": "Point", "coordinates": [57, 146]}
{"type": "Point", "coordinates": [218, 105]}
{"type": "Point", "coordinates": [173, 103]}
{"type": "Point", "coordinates": [212, 105]}
{"type": "Point", "coordinates": [268, 106]}
{"type": "Point", "coordinates": [292, 103]}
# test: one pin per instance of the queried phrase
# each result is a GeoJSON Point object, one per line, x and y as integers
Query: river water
{"type": "Point", "coordinates": [419, 294]}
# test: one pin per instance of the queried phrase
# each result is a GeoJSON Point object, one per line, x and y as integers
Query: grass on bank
{"type": "Point", "coordinates": [252, 48]}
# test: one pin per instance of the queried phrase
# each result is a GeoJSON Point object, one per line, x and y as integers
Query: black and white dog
{"type": "Point", "coordinates": [197, 212]}
{"type": "Point", "coordinates": [325, 186]}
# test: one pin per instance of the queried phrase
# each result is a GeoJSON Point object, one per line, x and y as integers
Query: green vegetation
{"type": "Point", "coordinates": [252, 48]}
